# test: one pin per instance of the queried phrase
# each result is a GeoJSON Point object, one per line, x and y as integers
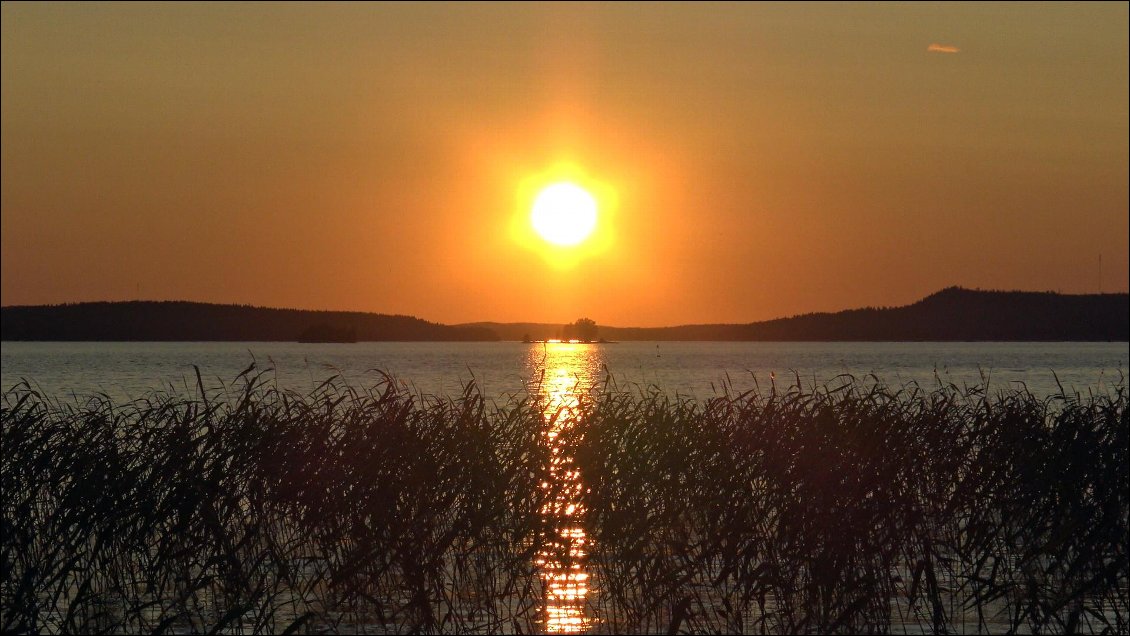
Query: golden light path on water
{"type": "Point", "coordinates": [562, 373]}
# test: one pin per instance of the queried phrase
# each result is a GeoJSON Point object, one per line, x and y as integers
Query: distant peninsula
{"type": "Point", "coordinates": [187, 321]}
{"type": "Point", "coordinates": [953, 314]}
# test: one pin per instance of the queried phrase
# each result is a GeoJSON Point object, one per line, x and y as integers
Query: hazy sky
{"type": "Point", "coordinates": [763, 160]}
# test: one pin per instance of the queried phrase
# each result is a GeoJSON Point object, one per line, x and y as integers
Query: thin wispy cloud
{"type": "Point", "coordinates": [942, 48]}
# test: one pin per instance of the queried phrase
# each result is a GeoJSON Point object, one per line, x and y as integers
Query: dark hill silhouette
{"type": "Point", "coordinates": [953, 314]}
{"type": "Point", "coordinates": [186, 321]}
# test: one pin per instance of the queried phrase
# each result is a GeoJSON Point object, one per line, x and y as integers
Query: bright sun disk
{"type": "Point", "coordinates": [564, 214]}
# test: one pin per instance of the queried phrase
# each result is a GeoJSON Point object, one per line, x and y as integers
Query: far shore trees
{"type": "Point", "coordinates": [582, 329]}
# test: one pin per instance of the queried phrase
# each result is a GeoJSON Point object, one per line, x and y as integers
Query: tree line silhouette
{"type": "Point", "coordinates": [953, 314]}
{"type": "Point", "coordinates": [187, 321]}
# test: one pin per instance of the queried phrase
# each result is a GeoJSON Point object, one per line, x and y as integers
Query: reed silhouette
{"type": "Point", "coordinates": [854, 507]}
{"type": "Point", "coordinates": [843, 508]}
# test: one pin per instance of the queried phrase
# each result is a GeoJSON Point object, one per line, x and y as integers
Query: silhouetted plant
{"type": "Point", "coordinates": [846, 508]}
{"type": "Point", "coordinates": [855, 507]}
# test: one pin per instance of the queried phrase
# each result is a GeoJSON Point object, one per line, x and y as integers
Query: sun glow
{"type": "Point", "coordinates": [564, 214]}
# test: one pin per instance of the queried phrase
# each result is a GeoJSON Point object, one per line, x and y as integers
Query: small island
{"type": "Point", "coordinates": [583, 331]}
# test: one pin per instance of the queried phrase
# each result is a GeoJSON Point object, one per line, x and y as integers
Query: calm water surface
{"type": "Point", "coordinates": [562, 373]}
{"type": "Point", "coordinates": [695, 369]}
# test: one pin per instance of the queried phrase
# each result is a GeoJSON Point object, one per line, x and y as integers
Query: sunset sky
{"type": "Point", "coordinates": [749, 161]}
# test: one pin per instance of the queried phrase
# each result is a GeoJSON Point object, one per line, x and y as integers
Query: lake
{"type": "Point", "coordinates": [693, 369]}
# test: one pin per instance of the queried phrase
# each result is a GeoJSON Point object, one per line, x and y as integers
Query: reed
{"type": "Point", "coordinates": [266, 511]}
{"type": "Point", "coordinates": [845, 508]}
{"type": "Point", "coordinates": [858, 508]}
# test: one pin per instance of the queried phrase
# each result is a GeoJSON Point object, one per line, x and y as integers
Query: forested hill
{"type": "Point", "coordinates": [953, 314]}
{"type": "Point", "coordinates": [186, 321]}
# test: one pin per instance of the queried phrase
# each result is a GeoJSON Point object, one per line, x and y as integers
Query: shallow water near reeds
{"type": "Point", "coordinates": [647, 513]}
{"type": "Point", "coordinates": [126, 370]}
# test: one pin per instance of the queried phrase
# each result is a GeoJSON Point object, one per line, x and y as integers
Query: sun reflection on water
{"type": "Point", "coordinates": [562, 373]}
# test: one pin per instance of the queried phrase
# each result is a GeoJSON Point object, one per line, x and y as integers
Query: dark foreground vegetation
{"type": "Point", "coordinates": [850, 508]}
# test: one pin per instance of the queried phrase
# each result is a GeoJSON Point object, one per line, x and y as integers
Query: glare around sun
{"type": "Point", "coordinates": [564, 214]}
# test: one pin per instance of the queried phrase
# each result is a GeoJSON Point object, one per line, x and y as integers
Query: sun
{"type": "Point", "coordinates": [564, 213]}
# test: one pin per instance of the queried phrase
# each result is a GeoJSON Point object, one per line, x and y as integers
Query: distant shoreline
{"type": "Point", "coordinates": [362, 342]}
{"type": "Point", "coordinates": [951, 315]}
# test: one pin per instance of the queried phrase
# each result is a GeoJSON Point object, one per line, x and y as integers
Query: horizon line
{"type": "Point", "coordinates": [474, 323]}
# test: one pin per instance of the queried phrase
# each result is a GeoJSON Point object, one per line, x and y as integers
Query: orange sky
{"type": "Point", "coordinates": [765, 160]}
